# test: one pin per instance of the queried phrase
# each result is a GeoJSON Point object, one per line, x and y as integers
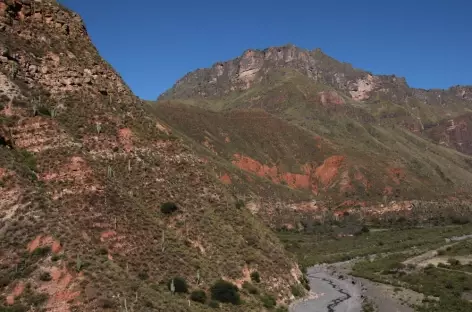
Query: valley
{"type": "Point", "coordinates": [389, 281]}
{"type": "Point", "coordinates": [281, 180]}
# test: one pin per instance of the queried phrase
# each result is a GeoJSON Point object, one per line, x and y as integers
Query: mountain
{"type": "Point", "coordinates": [304, 121]}
{"type": "Point", "coordinates": [85, 171]}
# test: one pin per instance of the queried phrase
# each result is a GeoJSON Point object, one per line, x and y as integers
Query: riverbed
{"type": "Point", "coordinates": [334, 290]}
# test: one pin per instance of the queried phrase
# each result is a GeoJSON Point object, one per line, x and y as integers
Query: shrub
{"type": "Point", "coordinates": [240, 204]}
{"type": "Point", "coordinates": [168, 208]}
{"type": "Point", "coordinates": [305, 282]}
{"type": "Point", "coordinates": [45, 277]}
{"type": "Point", "coordinates": [453, 261]}
{"type": "Point", "coordinates": [143, 275]}
{"type": "Point", "coordinates": [441, 252]}
{"type": "Point", "coordinates": [180, 285]}
{"type": "Point", "coordinates": [41, 251]}
{"type": "Point", "coordinates": [226, 292]}
{"type": "Point", "coordinates": [255, 277]}
{"type": "Point", "coordinates": [296, 290]}
{"type": "Point", "coordinates": [251, 288]}
{"type": "Point", "coordinates": [268, 301]}
{"type": "Point", "coordinates": [214, 304]}
{"type": "Point", "coordinates": [281, 309]}
{"type": "Point", "coordinates": [198, 296]}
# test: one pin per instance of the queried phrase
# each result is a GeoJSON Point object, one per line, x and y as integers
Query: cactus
{"type": "Point", "coordinates": [98, 127]}
{"type": "Point", "coordinates": [53, 112]}
{"type": "Point", "coordinates": [198, 277]}
{"type": "Point", "coordinates": [172, 287]}
{"type": "Point", "coordinates": [163, 241]}
{"type": "Point", "coordinates": [78, 264]}
{"type": "Point", "coordinates": [14, 70]}
{"type": "Point", "coordinates": [110, 172]}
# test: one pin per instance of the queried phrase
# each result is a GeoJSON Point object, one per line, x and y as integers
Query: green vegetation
{"type": "Point", "coordinates": [255, 277]}
{"type": "Point", "coordinates": [198, 296]}
{"type": "Point", "coordinates": [268, 301]}
{"type": "Point", "coordinates": [312, 249]}
{"type": "Point", "coordinates": [225, 292]}
{"type": "Point", "coordinates": [169, 208]}
{"type": "Point", "coordinates": [179, 285]}
{"type": "Point", "coordinates": [45, 276]}
{"type": "Point", "coordinates": [446, 285]}
{"type": "Point", "coordinates": [297, 290]}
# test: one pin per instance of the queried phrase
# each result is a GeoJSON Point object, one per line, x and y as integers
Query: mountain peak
{"type": "Point", "coordinates": [255, 65]}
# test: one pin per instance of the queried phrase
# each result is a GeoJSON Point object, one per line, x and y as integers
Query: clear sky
{"type": "Point", "coordinates": [153, 43]}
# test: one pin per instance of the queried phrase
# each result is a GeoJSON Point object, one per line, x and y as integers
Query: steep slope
{"type": "Point", "coordinates": [83, 173]}
{"type": "Point", "coordinates": [375, 131]}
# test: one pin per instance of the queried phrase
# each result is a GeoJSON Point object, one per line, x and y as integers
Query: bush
{"type": "Point", "coordinates": [268, 301]}
{"type": "Point", "coordinates": [45, 277]}
{"type": "Point", "coordinates": [226, 292]}
{"type": "Point", "coordinates": [41, 251]}
{"type": "Point", "coordinates": [281, 309]}
{"type": "Point", "coordinates": [198, 296]}
{"type": "Point", "coordinates": [251, 288]}
{"type": "Point", "coordinates": [255, 277]}
{"type": "Point", "coordinates": [143, 275]}
{"type": "Point", "coordinates": [297, 290]}
{"type": "Point", "coordinates": [305, 282]}
{"type": "Point", "coordinates": [180, 285]}
{"type": "Point", "coordinates": [214, 304]}
{"type": "Point", "coordinates": [453, 261]}
{"type": "Point", "coordinates": [168, 208]}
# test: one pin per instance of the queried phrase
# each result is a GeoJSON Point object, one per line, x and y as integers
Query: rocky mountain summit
{"type": "Point", "coordinates": [254, 66]}
{"type": "Point", "coordinates": [86, 175]}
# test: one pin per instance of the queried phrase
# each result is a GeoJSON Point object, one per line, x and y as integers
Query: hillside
{"type": "Point", "coordinates": [342, 133]}
{"type": "Point", "coordinates": [84, 170]}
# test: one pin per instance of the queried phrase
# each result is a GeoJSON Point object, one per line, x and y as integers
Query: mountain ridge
{"type": "Point", "coordinates": [288, 50]}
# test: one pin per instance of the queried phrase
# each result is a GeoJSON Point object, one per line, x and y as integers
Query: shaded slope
{"type": "Point", "coordinates": [82, 179]}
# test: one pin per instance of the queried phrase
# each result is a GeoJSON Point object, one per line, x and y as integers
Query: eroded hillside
{"type": "Point", "coordinates": [83, 173]}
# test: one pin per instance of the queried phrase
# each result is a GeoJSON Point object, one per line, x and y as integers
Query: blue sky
{"type": "Point", "coordinates": [152, 43]}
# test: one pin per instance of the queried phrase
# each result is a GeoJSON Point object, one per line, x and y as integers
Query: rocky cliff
{"type": "Point", "coordinates": [83, 173]}
{"type": "Point", "coordinates": [254, 66]}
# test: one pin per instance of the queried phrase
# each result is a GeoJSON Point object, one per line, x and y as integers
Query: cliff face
{"type": "Point", "coordinates": [83, 172]}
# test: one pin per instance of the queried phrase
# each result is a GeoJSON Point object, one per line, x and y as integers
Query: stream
{"type": "Point", "coordinates": [329, 293]}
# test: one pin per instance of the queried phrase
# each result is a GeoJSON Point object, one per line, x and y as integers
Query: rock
{"type": "Point", "coordinates": [32, 68]}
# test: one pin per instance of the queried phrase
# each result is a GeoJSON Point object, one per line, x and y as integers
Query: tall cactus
{"type": "Point", "coordinates": [163, 241]}
{"type": "Point", "coordinates": [198, 277]}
